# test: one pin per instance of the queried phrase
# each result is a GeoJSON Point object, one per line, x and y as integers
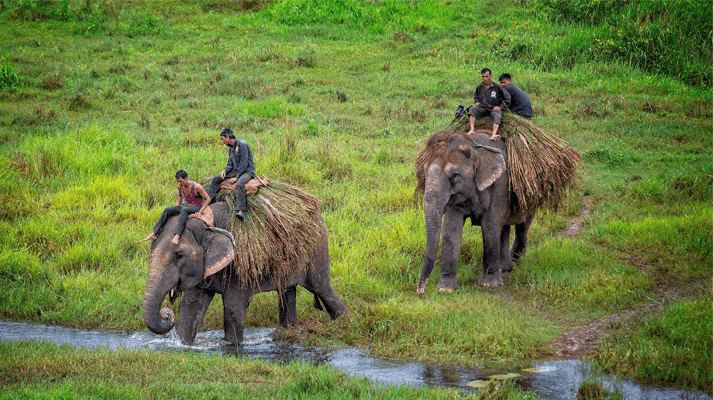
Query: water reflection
{"type": "Point", "coordinates": [549, 379]}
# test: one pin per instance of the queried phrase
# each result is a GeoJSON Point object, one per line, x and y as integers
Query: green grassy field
{"type": "Point", "coordinates": [103, 101]}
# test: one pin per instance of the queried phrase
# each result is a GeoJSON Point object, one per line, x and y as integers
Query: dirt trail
{"type": "Point", "coordinates": [575, 224]}
{"type": "Point", "coordinates": [584, 339]}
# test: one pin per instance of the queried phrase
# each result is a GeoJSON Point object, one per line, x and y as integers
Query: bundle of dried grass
{"type": "Point", "coordinates": [540, 166]}
{"type": "Point", "coordinates": [282, 226]}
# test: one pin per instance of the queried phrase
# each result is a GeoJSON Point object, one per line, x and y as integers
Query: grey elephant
{"type": "Point", "coordinates": [466, 177]}
{"type": "Point", "coordinates": [202, 265]}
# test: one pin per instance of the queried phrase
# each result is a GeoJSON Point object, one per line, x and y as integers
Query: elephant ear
{"type": "Point", "coordinates": [490, 165]}
{"type": "Point", "coordinates": [220, 251]}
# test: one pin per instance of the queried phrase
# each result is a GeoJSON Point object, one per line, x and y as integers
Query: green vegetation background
{"type": "Point", "coordinates": [103, 101]}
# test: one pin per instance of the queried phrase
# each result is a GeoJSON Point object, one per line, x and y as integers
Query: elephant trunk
{"type": "Point", "coordinates": [159, 283]}
{"type": "Point", "coordinates": [435, 198]}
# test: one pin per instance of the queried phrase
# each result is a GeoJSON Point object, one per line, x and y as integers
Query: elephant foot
{"type": "Point", "coordinates": [490, 280]}
{"type": "Point", "coordinates": [421, 288]}
{"type": "Point", "coordinates": [508, 267]}
{"type": "Point", "coordinates": [447, 285]}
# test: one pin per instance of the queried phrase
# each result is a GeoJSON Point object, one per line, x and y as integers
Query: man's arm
{"type": "Point", "coordinates": [206, 199]}
{"type": "Point", "coordinates": [476, 96]}
{"type": "Point", "coordinates": [507, 99]}
{"type": "Point", "coordinates": [179, 198]}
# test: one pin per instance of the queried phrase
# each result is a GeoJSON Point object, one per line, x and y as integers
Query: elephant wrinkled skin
{"type": "Point", "coordinates": [201, 265]}
{"type": "Point", "coordinates": [470, 180]}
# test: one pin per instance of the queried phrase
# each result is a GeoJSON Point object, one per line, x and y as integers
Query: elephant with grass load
{"type": "Point", "coordinates": [203, 264]}
{"type": "Point", "coordinates": [467, 177]}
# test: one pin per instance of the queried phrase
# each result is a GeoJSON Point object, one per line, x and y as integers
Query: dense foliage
{"type": "Point", "coordinates": [672, 38]}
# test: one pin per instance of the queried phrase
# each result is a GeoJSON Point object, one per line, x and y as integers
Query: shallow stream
{"type": "Point", "coordinates": [548, 379]}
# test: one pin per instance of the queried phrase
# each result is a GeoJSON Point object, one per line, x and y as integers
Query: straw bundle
{"type": "Point", "coordinates": [282, 227]}
{"type": "Point", "coordinates": [540, 165]}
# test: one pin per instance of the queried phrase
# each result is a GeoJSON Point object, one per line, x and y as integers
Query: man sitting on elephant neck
{"type": "Point", "coordinates": [489, 98]}
{"type": "Point", "coordinates": [187, 191]}
{"type": "Point", "coordinates": [240, 164]}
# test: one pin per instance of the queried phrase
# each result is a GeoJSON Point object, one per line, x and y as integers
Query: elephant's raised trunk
{"type": "Point", "coordinates": [157, 287]}
{"type": "Point", "coordinates": [435, 198]}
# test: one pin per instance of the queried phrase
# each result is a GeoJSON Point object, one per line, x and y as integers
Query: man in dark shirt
{"type": "Point", "coordinates": [240, 164]}
{"type": "Point", "coordinates": [520, 103]}
{"type": "Point", "coordinates": [490, 99]}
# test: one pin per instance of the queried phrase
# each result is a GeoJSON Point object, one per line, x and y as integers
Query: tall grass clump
{"type": "Point", "coordinates": [672, 38]}
{"type": "Point", "coordinates": [16, 199]}
{"type": "Point", "coordinates": [8, 77]}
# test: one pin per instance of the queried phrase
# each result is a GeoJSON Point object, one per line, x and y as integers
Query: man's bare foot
{"type": "Point", "coordinates": [471, 132]}
{"type": "Point", "coordinates": [176, 239]}
{"type": "Point", "coordinates": [152, 236]}
{"type": "Point", "coordinates": [495, 137]}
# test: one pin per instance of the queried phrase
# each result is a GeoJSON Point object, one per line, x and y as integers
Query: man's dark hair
{"type": "Point", "coordinates": [181, 174]}
{"type": "Point", "coordinates": [227, 132]}
{"type": "Point", "coordinates": [484, 70]}
{"type": "Point", "coordinates": [505, 77]}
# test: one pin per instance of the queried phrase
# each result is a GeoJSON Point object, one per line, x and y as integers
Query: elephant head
{"type": "Point", "coordinates": [458, 173]}
{"type": "Point", "coordinates": [200, 253]}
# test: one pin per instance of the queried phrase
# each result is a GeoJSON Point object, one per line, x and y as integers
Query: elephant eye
{"type": "Point", "coordinates": [455, 178]}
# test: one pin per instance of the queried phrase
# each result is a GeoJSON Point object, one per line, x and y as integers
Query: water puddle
{"type": "Point", "coordinates": [548, 379]}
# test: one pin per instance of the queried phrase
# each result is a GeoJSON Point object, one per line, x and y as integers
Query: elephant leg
{"type": "Point", "coordinates": [235, 304]}
{"type": "Point", "coordinates": [318, 281]}
{"type": "Point", "coordinates": [287, 306]}
{"type": "Point", "coordinates": [522, 231]}
{"type": "Point", "coordinates": [490, 275]}
{"type": "Point", "coordinates": [505, 264]}
{"type": "Point", "coordinates": [191, 313]}
{"type": "Point", "coordinates": [452, 238]}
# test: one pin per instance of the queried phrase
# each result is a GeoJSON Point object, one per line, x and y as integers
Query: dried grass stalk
{"type": "Point", "coordinates": [282, 227]}
{"type": "Point", "coordinates": [540, 166]}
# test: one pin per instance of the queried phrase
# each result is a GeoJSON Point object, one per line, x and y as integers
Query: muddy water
{"type": "Point", "coordinates": [549, 379]}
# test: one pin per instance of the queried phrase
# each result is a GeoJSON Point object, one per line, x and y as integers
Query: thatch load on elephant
{"type": "Point", "coordinates": [282, 226]}
{"type": "Point", "coordinates": [540, 165]}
